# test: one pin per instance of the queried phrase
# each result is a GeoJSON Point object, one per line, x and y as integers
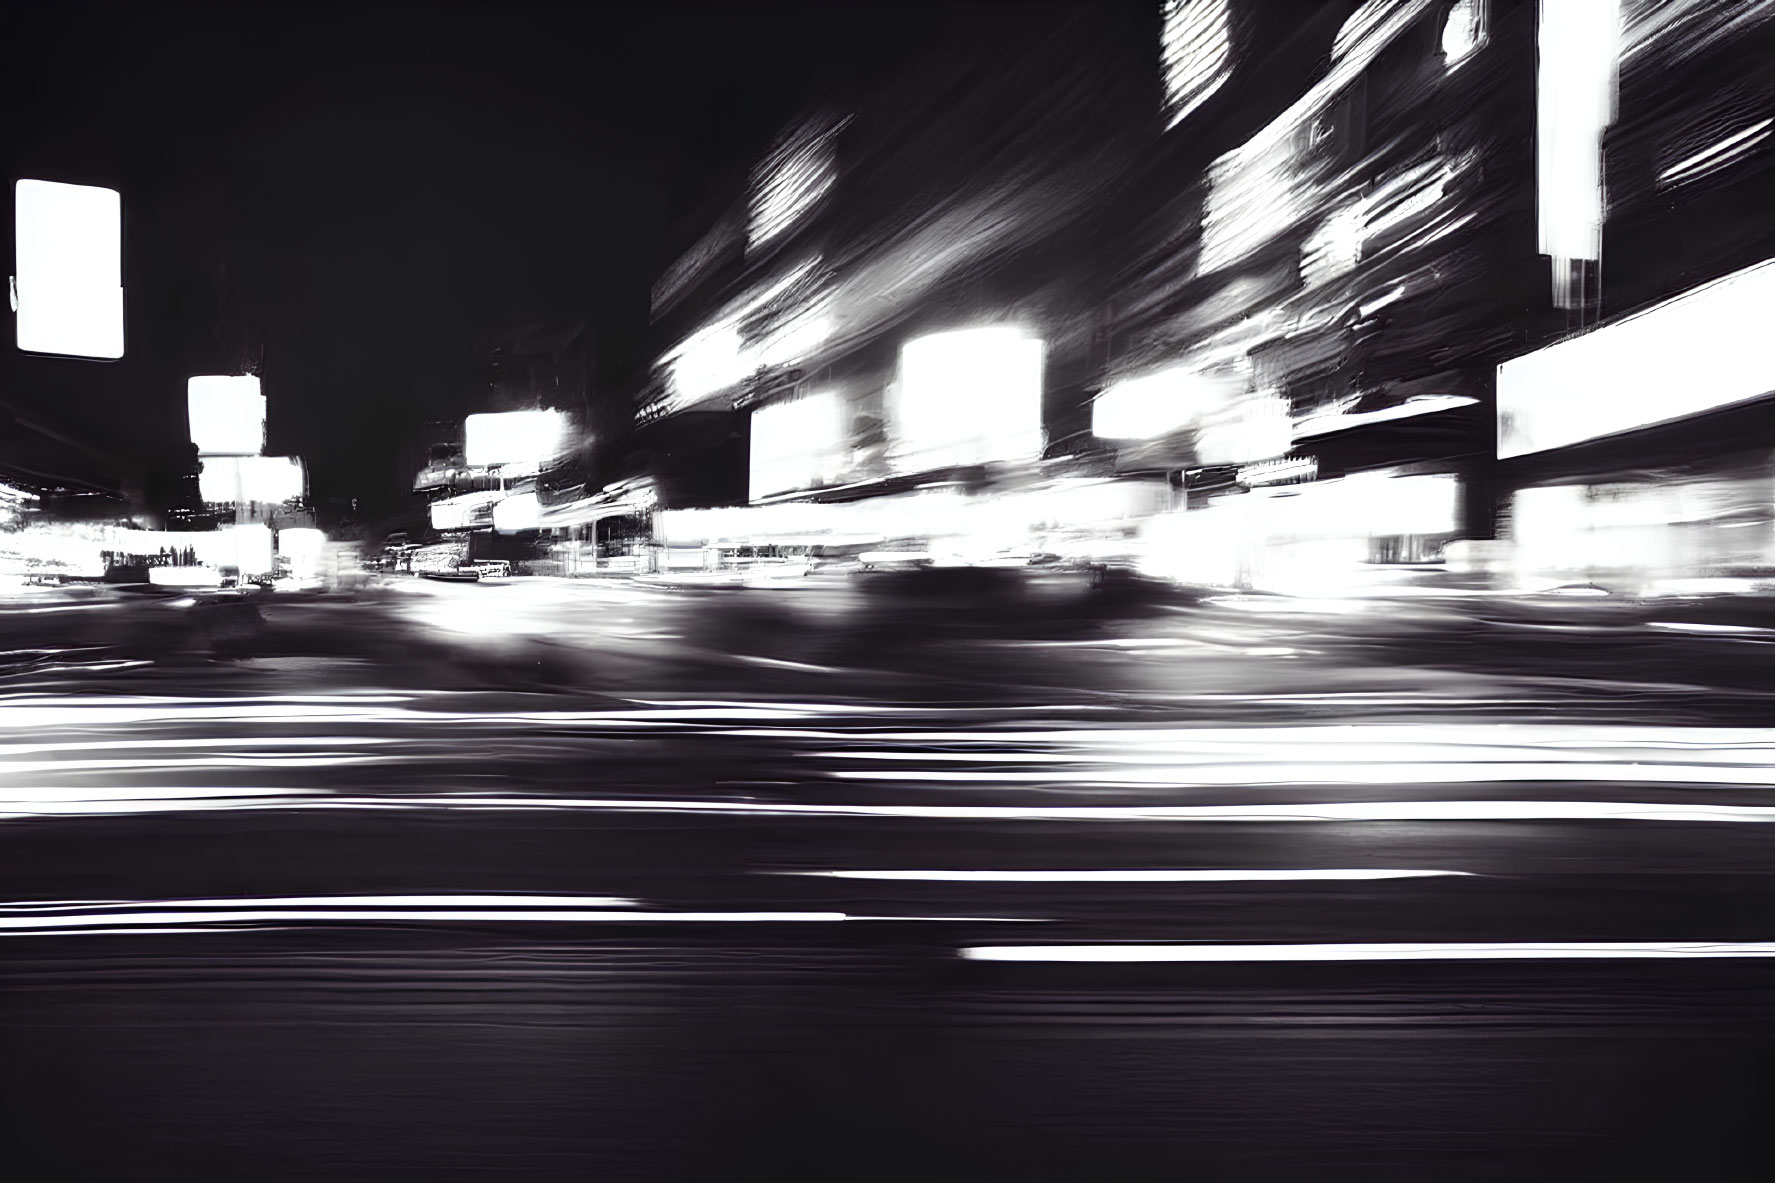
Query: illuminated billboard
{"type": "Point", "coordinates": [227, 415]}
{"type": "Point", "coordinates": [270, 479]}
{"type": "Point", "coordinates": [517, 513]}
{"type": "Point", "coordinates": [798, 444]}
{"type": "Point", "coordinates": [967, 397]}
{"type": "Point", "coordinates": [68, 290]}
{"type": "Point", "coordinates": [513, 437]}
{"type": "Point", "coordinates": [1703, 350]}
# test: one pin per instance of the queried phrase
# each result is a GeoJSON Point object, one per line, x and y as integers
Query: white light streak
{"type": "Point", "coordinates": [452, 915]}
{"type": "Point", "coordinates": [1703, 350]}
{"type": "Point", "coordinates": [1172, 876]}
{"type": "Point", "coordinates": [1196, 51]}
{"type": "Point", "coordinates": [801, 170]}
{"type": "Point", "coordinates": [68, 292]}
{"type": "Point", "coordinates": [1463, 32]}
{"type": "Point", "coordinates": [1718, 155]}
{"type": "Point", "coordinates": [334, 901]}
{"type": "Point", "coordinates": [1579, 45]}
{"type": "Point", "coordinates": [1397, 951]}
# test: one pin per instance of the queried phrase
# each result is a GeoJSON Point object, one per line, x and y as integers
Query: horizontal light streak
{"type": "Point", "coordinates": [1442, 951]}
{"type": "Point", "coordinates": [64, 922]}
{"type": "Point", "coordinates": [489, 900]}
{"type": "Point", "coordinates": [1311, 773]}
{"type": "Point", "coordinates": [1132, 876]}
{"type": "Point", "coordinates": [219, 799]}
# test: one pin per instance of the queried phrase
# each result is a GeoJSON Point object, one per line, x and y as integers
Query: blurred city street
{"type": "Point", "coordinates": [733, 898]}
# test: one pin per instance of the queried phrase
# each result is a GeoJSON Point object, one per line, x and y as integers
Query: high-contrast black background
{"type": "Point", "coordinates": [356, 198]}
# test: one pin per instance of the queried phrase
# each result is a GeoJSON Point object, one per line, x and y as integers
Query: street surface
{"type": "Point", "coordinates": [840, 880]}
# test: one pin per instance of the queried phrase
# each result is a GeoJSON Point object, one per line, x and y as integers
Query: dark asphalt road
{"type": "Point", "coordinates": [556, 882]}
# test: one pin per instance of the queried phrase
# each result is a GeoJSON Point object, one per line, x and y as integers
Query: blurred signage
{"type": "Point", "coordinates": [1703, 350]}
{"type": "Point", "coordinates": [227, 415]}
{"type": "Point", "coordinates": [68, 290]}
{"type": "Point", "coordinates": [513, 437]}
{"type": "Point", "coordinates": [965, 398]}
{"type": "Point", "coordinates": [798, 444]}
{"type": "Point", "coordinates": [269, 479]}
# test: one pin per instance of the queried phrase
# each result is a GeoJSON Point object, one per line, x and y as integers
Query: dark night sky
{"type": "Point", "coordinates": [370, 192]}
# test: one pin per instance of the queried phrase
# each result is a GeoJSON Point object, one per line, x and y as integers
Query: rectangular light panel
{"type": "Point", "coordinates": [968, 397]}
{"type": "Point", "coordinates": [512, 437]}
{"type": "Point", "coordinates": [797, 445]}
{"type": "Point", "coordinates": [227, 415]}
{"type": "Point", "coordinates": [1703, 350]}
{"type": "Point", "coordinates": [69, 281]}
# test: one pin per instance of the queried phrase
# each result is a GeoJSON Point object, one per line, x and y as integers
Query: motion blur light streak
{"type": "Point", "coordinates": [1579, 43]}
{"type": "Point", "coordinates": [1539, 951]}
{"type": "Point", "coordinates": [1197, 53]}
{"type": "Point", "coordinates": [1718, 155]}
{"type": "Point", "coordinates": [1192, 876]}
{"type": "Point", "coordinates": [26, 924]}
{"type": "Point", "coordinates": [91, 802]}
{"type": "Point", "coordinates": [365, 901]}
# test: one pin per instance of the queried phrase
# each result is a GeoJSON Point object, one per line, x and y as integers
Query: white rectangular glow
{"type": "Point", "coordinates": [797, 445]}
{"type": "Point", "coordinates": [69, 282]}
{"type": "Point", "coordinates": [227, 415]}
{"type": "Point", "coordinates": [1579, 44]}
{"type": "Point", "coordinates": [967, 397]}
{"type": "Point", "coordinates": [247, 547]}
{"type": "Point", "coordinates": [1705, 349]}
{"type": "Point", "coordinates": [517, 513]}
{"type": "Point", "coordinates": [512, 437]}
{"type": "Point", "coordinates": [270, 479]}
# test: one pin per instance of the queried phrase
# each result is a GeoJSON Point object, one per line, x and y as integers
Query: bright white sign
{"type": "Point", "coordinates": [797, 445]}
{"type": "Point", "coordinates": [227, 415]}
{"type": "Point", "coordinates": [517, 513]}
{"type": "Point", "coordinates": [68, 291]}
{"type": "Point", "coordinates": [270, 479]}
{"type": "Point", "coordinates": [967, 397]}
{"type": "Point", "coordinates": [1707, 348]}
{"type": "Point", "coordinates": [512, 437]}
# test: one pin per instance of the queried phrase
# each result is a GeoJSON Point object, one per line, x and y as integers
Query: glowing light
{"type": "Point", "coordinates": [1178, 876]}
{"type": "Point", "coordinates": [269, 479]}
{"type": "Point", "coordinates": [1579, 45]}
{"type": "Point", "coordinates": [968, 397]}
{"type": "Point", "coordinates": [1702, 350]}
{"type": "Point", "coordinates": [184, 577]}
{"type": "Point", "coordinates": [512, 437]}
{"type": "Point", "coordinates": [517, 513]}
{"type": "Point", "coordinates": [1159, 403]}
{"type": "Point", "coordinates": [1335, 420]}
{"type": "Point", "coordinates": [248, 547]}
{"type": "Point", "coordinates": [227, 416]}
{"type": "Point", "coordinates": [1398, 951]}
{"type": "Point", "coordinates": [1265, 186]}
{"type": "Point", "coordinates": [799, 444]}
{"type": "Point", "coordinates": [1717, 155]}
{"type": "Point", "coordinates": [465, 512]}
{"type": "Point", "coordinates": [68, 292]}
{"type": "Point", "coordinates": [800, 170]}
{"type": "Point", "coordinates": [1196, 48]}
{"type": "Point", "coordinates": [1463, 32]}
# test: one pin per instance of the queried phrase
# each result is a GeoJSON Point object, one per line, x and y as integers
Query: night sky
{"type": "Point", "coordinates": [368, 194]}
